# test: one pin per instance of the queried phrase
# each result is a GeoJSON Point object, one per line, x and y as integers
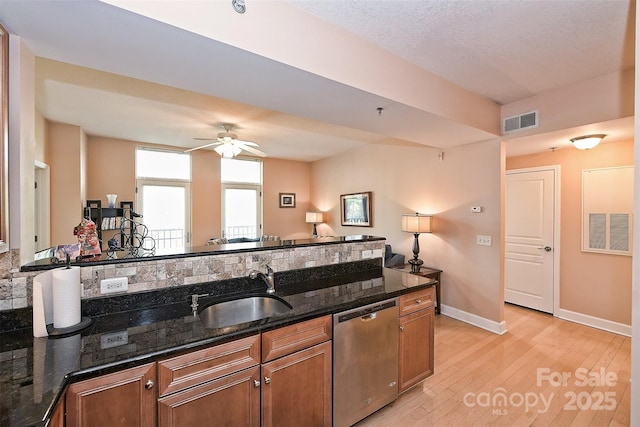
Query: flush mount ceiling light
{"type": "Point", "coordinates": [587, 141]}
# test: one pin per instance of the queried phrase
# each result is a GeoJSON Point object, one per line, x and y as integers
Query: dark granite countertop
{"type": "Point", "coordinates": [133, 329]}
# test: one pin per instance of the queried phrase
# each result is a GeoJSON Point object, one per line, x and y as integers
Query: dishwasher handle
{"type": "Point", "coordinates": [369, 317]}
{"type": "Point", "coordinates": [366, 313]}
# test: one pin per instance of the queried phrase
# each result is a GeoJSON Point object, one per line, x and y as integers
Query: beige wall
{"type": "Point", "coordinates": [286, 176]}
{"type": "Point", "coordinates": [408, 179]}
{"type": "Point", "coordinates": [597, 285]}
{"type": "Point", "coordinates": [111, 169]}
{"type": "Point", "coordinates": [206, 215]}
{"type": "Point", "coordinates": [600, 99]}
{"type": "Point", "coordinates": [64, 151]}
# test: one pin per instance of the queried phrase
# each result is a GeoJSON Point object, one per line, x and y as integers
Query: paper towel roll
{"type": "Point", "coordinates": [42, 303]}
{"type": "Point", "coordinates": [66, 297]}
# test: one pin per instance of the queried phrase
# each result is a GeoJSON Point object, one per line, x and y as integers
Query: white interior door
{"type": "Point", "coordinates": [530, 236]}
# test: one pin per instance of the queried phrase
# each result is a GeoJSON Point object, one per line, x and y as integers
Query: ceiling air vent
{"type": "Point", "coordinates": [521, 121]}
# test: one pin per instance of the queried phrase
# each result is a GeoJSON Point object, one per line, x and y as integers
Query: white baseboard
{"type": "Point", "coordinates": [473, 319]}
{"type": "Point", "coordinates": [594, 322]}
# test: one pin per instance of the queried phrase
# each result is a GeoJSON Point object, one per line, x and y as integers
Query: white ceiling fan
{"type": "Point", "coordinates": [228, 145]}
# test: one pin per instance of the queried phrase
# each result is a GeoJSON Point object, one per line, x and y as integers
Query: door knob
{"type": "Point", "coordinates": [546, 248]}
{"type": "Point", "coordinates": [149, 385]}
{"type": "Point", "coordinates": [267, 380]}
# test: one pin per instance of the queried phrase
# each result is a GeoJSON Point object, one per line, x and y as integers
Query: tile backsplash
{"type": "Point", "coordinates": [151, 274]}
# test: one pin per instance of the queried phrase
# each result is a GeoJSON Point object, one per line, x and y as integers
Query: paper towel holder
{"type": "Point", "coordinates": [63, 332]}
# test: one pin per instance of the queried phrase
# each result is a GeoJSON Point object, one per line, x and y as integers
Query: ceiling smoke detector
{"type": "Point", "coordinates": [238, 6]}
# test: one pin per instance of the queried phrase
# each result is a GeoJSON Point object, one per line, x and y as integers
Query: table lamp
{"type": "Point", "coordinates": [314, 218]}
{"type": "Point", "coordinates": [416, 224]}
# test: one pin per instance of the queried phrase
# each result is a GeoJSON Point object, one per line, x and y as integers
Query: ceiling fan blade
{"type": "Point", "coordinates": [252, 150]}
{"type": "Point", "coordinates": [206, 139]}
{"type": "Point", "coordinates": [250, 143]}
{"type": "Point", "coordinates": [202, 146]}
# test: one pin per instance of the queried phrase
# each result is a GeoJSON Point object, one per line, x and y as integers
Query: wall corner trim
{"type": "Point", "coordinates": [499, 328]}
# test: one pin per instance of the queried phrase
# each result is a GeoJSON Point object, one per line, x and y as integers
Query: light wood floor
{"type": "Point", "coordinates": [474, 368]}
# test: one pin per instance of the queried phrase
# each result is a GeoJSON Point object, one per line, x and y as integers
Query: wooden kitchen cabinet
{"type": "Point", "coordinates": [57, 417]}
{"type": "Point", "coordinates": [296, 378]}
{"type": "Point", "coordinates": [296, 389]}
{"type": "Point", "coordinates": [233, 400]}
{"type": "Point", "coordinates": [125, 398]}
{"type": "Point", "coordinates": [219, 384]}
{"type": "Point", "coordinates": [416, 338]}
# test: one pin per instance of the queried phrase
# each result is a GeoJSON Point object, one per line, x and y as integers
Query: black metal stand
{"type": "Point", "coordinates": [415, 262]}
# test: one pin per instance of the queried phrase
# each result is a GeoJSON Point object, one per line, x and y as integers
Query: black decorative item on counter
{"type": "Point", "coordinates": [134, 236]}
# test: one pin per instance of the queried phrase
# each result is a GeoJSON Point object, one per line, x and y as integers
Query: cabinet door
{"type": "Point", "coordinates": [233, 401]}
{"type": "Point", "coordinates": [57, 418]}
{"type": "Point", "coordinates": [125, 398]}
{"type": "Point", "coordinates": [296, 389]}
{"type": "Point", "coordinates": [416, 348]}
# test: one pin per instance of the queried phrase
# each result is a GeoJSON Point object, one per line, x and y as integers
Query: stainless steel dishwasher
{"type": "Point", "coordinates": [365, 361]}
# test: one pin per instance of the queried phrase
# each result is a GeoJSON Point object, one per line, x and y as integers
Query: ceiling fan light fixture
{"type": "Point", "coordinates": [227, 151]}
{"type": "Point", "coordinates": [586, 142]}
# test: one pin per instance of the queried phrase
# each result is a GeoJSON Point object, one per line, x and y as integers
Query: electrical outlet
{"type": "Point", "coordinates": [116, 284]}
{"type": "Point", "coordinates": [483, 240]}
{"type": "Point", "coordinates": [366, 254]}
{"type": "Point", "coordinates": [114, 339]}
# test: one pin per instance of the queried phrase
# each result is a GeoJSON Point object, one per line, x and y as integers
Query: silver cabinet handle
{"type": "Point", "coordinates": [256, 383]}
{"type": "Point", "coordinates": [402, 328]}
{"type": "Point", "coordinates": [418, 301]}
{"type": "Point", "coordinates": [149, 385]}
{"type": "Point", "coordinates": [267, 380]}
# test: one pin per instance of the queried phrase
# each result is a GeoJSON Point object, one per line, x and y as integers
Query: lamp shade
{"type": "Point", "coordinates": [416, 223]}
{"type": "Point", "coordinates": [314, 217]}
{"type": "Point", "coordinates": [587, 141]}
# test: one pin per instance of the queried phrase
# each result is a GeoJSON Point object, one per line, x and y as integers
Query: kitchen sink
{"type": "Point", "coordinates": [243, 310]}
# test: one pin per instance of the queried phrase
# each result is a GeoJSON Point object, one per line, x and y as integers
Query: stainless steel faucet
{"type": "Point", "coordinates": [269, 279]}
{"type": "Point", "coordinates": [194, 302]}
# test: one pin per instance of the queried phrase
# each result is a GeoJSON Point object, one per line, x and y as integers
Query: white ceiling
{"type": "Point", "coordinates": [501, 49]}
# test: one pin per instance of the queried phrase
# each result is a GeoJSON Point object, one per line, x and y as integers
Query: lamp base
{"type": "Point", "coordinates": [315, 231]}
{"type": "Point", "coordinates": [415, 265]}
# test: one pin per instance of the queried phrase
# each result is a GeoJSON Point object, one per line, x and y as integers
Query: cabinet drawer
{"type": "Point", "coordinates": [197, 367]}
{"type": "Point", "coordinates": [417, 300]}
{"type": "Point", "coordinates": [283, 341]}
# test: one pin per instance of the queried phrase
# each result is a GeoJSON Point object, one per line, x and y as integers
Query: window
{"type": "Point", "coordinates": [163, 197]}
{"type": "Point", "coordinates": [241, 198]}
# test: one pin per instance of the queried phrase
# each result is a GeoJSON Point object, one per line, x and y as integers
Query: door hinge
{"type": "Point", "coordinates": [36, 240]}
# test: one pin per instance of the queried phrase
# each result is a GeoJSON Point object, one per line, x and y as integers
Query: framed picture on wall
{"type": "Point", "coordinates": [287, 200]}
{"type": "Point", "coordinates": [355, 209]}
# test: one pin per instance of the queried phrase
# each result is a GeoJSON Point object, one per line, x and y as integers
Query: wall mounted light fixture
{"type": "Point", "coordinates": [587, 141]}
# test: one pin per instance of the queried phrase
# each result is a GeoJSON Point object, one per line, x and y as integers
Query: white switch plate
{"type": "Point", "coordinates": [476, 209]}
{"type": "Point", "coordinates": [116, 284]}
{"type": "Point", "coordinates": [483, 240]}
